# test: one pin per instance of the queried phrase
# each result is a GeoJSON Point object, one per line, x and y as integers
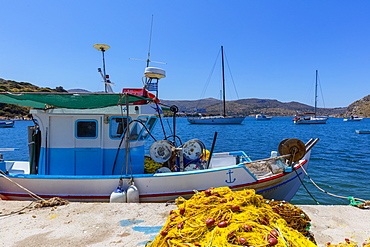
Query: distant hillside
{"type": "Point", "coordinates": [11, 111]}
{"type": "Point", "coordinates": [359, 108]}
{"type": "Point", "coordinates": [251, 107]}
{"type": "Point", "coordinates": [245, 107]}
{"type": "Point", "coordinates": [13, 86]}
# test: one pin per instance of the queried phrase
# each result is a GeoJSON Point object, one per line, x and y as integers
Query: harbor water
{"type": "Point", "coordinates": [340, 161]}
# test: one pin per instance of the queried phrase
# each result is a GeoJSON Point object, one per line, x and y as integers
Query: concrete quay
{"type": "Point", "coordinates": [133, 224]}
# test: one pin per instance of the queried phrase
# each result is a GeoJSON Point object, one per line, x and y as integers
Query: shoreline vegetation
{"type": "Point", "coordinates": [206, 107]}
{"type": "Point", "coordinates": [13, 112]}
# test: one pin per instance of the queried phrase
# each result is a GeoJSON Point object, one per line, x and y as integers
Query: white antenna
{"type": "Point", "coordinates": [150, 42]}
{"type": "Point", "coordinates": [107, 82]}
{"type": "Point", "coordinates": [152, 74]}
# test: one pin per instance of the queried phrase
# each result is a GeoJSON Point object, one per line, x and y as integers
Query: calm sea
{"type": "Point", "coordinates": [340, 161]}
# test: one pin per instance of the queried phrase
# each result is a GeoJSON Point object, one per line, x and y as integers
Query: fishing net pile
{"type": "Point", "coordinates": [150, 166]}
{"type": "Point", "coordinates": [221, 217]}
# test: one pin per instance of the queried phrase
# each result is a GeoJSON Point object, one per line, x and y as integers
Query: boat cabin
{"type": "Point", "coordinates": [89, 141]}
{"type": "Point", "coordinates": [86, 134]}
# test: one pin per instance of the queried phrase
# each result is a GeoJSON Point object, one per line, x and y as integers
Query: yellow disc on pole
{"type": "Point", "coordinates": [101, 47]}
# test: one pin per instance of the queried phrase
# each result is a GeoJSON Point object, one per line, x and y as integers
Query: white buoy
{"type": "Point", "coordinates": [118, 196]}
{"type": "Point", "coordinates": [133, 194]}
{"type": "Point", "coordinates": [274, 154]}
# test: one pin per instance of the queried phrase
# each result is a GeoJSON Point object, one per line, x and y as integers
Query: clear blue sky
{"type": "Point", "coordinates": [273, 47]}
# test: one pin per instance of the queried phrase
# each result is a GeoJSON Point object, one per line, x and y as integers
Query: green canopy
{"type": "Point", "coordinates": [68, 100]}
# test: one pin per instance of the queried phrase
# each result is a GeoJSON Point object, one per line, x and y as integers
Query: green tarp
{"type": "Point", "coordinates": [67, 100]}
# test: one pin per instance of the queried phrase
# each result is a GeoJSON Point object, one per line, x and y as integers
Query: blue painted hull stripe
{"type": "Point", "coordinates": [187, 173]}
{"type": "Point", "coordinates": [280, 184]}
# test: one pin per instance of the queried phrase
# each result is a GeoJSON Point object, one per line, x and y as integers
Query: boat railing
{"type": "Point", "coordinates": [211, 117]}
{"type": "Point", "coordinates": [4, 165]}
{"type": "Point", "coordinates": [274, 165]}
{"type": "Point", "coordinates": [266, 167]}
{"type": "Point", "coordinates": [312, 142]}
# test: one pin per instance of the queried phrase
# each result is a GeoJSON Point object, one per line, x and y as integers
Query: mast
{"type": "Point", "coordinates": [316, 93]}
{"type": "Point", "coordinates": [223, 85]}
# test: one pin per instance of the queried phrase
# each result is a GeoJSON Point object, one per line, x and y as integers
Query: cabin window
{"type": "Point", "coordinates": [117, 126]}
{"type": "Point", "coordinates": [136, 129]}
{"type": "Point", "coordinates": [86, 129]}
{"type": "Point", "coordinates": [149, 125]}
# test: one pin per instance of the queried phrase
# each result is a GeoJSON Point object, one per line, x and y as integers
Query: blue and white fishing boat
{"type": "Point", "coordinates": [6, 124]}
{"type": "Point", "coordinates": [90, 147]}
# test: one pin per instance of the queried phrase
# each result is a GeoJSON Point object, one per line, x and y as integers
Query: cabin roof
{"type": "Point", "coordinates": [69, 100]}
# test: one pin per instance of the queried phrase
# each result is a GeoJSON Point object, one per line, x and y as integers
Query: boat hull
{"type": "Point", "coordinates": [158, 187]}
{"type": "Point", "coordinates": [363, 131]}
{"type": "Point", "coordinates": [6, 124]}
{"type": "Point", "coordinates": [352, 120]}
{"type": "Point", "coordinates": [226, 120]}
{"type": "Point", "coordinates": [262, 118]}
{"type": "Point", "coordinates": [310, 121]}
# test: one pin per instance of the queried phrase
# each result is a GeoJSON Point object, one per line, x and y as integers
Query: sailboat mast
{"type": "Point", "coordinates": [223, 84]}
{"type": "Point", "coordinates": [316, 93]}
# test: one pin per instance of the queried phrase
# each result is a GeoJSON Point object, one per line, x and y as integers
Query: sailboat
{"type": "Point", "coordinates": [222, 118]}
{"type": "Point", "coordinates": [310, 117]}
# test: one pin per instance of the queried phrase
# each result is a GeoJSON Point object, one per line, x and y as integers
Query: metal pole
{"type": "Point", "coordinates": [104, 73]}
{"type": "Point", "coordinates": [316, 93]}
{"type": "Point", "coordinates": [127, 134]}
{"type": "Point", "coordinates": [213, 146]}
{"type": "Point", "coordinates": [102, 51]}
{"type": "Point", "coordinates": [223, 83]}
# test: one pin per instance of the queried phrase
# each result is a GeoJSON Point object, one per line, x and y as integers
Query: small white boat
{"type": "Point", "coordinates": [352, 119]}
{"type": "Point", "coordinates": [363, 131]}
{"type": "Point", "coordinates": [310, 118]}
{"type": "Point", "coordinates": [6, 124]}
{"type": "Point", "coordinates": [261, 117]}
{"type": "Point", "coordinates": [90, 147]}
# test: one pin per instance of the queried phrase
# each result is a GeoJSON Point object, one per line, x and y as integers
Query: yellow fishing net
{"type": "Point", "coordinates": [221, 217]}
{"type": "Point", "coordinates": [150, 166]}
